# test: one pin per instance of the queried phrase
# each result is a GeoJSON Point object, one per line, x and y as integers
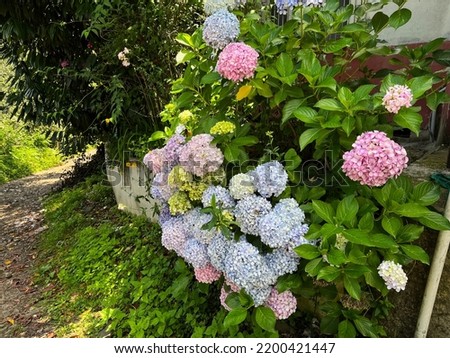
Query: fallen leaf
{"type": "Point", "coordinates": [10, 320]}
{"type": "Point", "coordinates": [243, 92]}
{"type": "Point", "coordinates": [8, 262]}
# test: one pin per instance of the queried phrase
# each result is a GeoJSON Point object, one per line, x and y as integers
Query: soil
{"type": "Point", "coordinates": [21, 222]}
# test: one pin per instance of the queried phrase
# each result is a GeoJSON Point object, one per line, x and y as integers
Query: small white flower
{"type": "Point", "coordinates": [393, 275]}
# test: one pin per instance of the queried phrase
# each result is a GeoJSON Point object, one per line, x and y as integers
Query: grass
{"type": "Point", "coordinates": [106, 273]}
{"type": "Point", "coordinates": [23, 150]}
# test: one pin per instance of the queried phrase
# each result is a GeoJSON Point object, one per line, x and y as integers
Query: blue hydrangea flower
{"type": "Point", "coordinates": [164, 214]}
{"type": "Point", "coordinates": [259, 295]}
{"type": "Point", "coordinates": [270, 179]}
{"type": "Point", "coordinates": [284, 5]}
{"type": "Point", "coordinates": [220, 29]}
{"type": "Point", "coordinates": [222, 195]}
{"type": "Point", "coordinates": [283, 226]}
{"type": "Point", "coordinates": [193, 221]}
{"type": "Point", "coordinates": [246, 267]}
{"type": "Point", "coordinates": [196, 253]}
{"type": "Point", "coordinates": [282, 261]}
{"type": "Point", "coordinates": [249, 211]}
{"type": "Point", "coordinates": [218, 250]}
{"type": "Point", "coordinates": [173, 235]}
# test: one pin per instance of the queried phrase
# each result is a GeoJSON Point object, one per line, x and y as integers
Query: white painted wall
{"type": "Point", "coordinates": [430, 20]}
{"type": "Point", "coordinates": [130, 188]}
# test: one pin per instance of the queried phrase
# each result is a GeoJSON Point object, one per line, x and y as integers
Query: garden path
{"type": "Point", "coordinates": [21, 221]}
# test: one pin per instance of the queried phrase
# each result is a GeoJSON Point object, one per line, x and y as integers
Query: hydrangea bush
{"type": "Point", "coordinates": [278, 175]}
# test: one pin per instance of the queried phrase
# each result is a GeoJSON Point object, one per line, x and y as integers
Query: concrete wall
{"type": "Point", "coordinates": [131, 188]}
{"type": "Point", "coordinates": [430, 19]}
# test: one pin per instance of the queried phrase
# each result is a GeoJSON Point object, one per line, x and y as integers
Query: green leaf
{"type": "Point", "coordinates": [379, 21]}
{"type": "Point", "coordinates": [328, 273]}
{"type": "Point", "coordinates": [348, 125]}
{"type": "Point", "coordinates": [329, 104]}
{"type": "Point", "coordinates": [265, 318]}
{"type": "Point", "coordinates": [410, 210]}
{"type": "Point", "coordinates": [391, 224]}
{"type": "Point", "coordinates": [290, 107]}
{"type": "Point", "coordinates": [356, 256]}
{"type": "Point", "coordinates": [307, 251]}
{"type": "Point", "coordinates": [400, 18]}
{"type": "Point", "coordinates": [408, 118]}
{"type": "Point", "coordinates": [419, 85]}
{"type": "Point", "coordinates": [244, 141]}
{"type": "Point", "coordinates": [345, 97]}
{"type": "Point", "coordinates": [210, 78]}
{"type": "Point", "coordinates": [416, 253]}
{"type": "Point", "coordinates": [291, 160]}
{"type": "Point", "coordinates": [324, 210]}
{"type": "Point", "coordinates": [434, 221]}
{"type": "Point", "coordinates": [371, 240]}
{"type": "Point", "coordinates": [328, 82]}
{"type": "Point", "coordinates": [235, 317]}
{"type": "Point", "coordinates": [347, 209]}
{"type": "Point", "coordinates": [231, 153]}
{"type": "Point", "coordinates": [336, 257]}
{"type": "Point", "coordinates": [185, 39]}
{"type": "Point", "coordinates": [157, 135]}
{"type": "Point", "coordinates": [184, 56]}
{"type": "Point", "coordinates": [284, 65]}
{"type": "Point", "coordinates": [426, 193]}
{"type": "Point", "coordinates": [442, 57]}
{"type": "Point", "coordinates": [352, 287]}
{"type": "Point", "coordinates": [365, 327]}
{"type": "Point", "coordinates": [332, 46]}
{"type": "Point", "coordinates": [310, 135]}
{"type": "Point", "coordinates": [374, 280]}
{"type": "Point", "coordinates": [346, 330]}
{"type": "Point", "coordinates": [409, 233]}
{"type": "Point", "coordinates": [355, 271]}
{"type": "Point", "coordinates": [306, 114]}
{"type": "Point", "coordinates": [366, 222]}
{"type": "Point", "coordinates": [313, 267]}
{"type": "Point", "coordinates": [363, 92]}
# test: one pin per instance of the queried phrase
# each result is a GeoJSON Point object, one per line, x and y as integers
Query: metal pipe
{"type": "Point", "coordinates": [434, 277]}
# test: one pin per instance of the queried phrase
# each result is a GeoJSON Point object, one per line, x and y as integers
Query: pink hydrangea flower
{"type": "Point", "coordinates": [374, 159]}
{"type": "Point", "coordinates": [237, 61]}
{"type": "Point", "coordinates": [64, 63]}
{"type": "Point", "coordinates": [207, 274]}
{"type": "Point", "coordinates": [199, 156]}
{"type": "Point", "coordinates": [396, 97]}
{"type": "Point", "coordinates": [154, 160]}
{"type": "Point", "coordinates": [282, 304]}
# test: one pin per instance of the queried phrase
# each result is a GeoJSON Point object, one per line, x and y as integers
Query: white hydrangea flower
{"type": "Point", "coordinates": [393, 275]}
{"type": "Point", "coordinates": [211, 6]}
{"type": "Point", "coordinates": [241, 185]}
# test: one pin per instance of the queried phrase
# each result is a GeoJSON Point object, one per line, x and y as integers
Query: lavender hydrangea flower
{"type": "Point", "coordinates": [173, 235]}
{"type": "Point", "coordinates": [159, 189]}
{"type": "Point", "coordinates": [193, 221]}
{"type": "Point", "coordinates": [196, 253]}
{"type": "Point", "coordinates": [270, 179]}
{"type": "Point", "coordinates": [200, 157]}
{"type": "Point", "coordinates": [283, 225]}
{"type": "Point", "coordinates": [173, 149]}
{"type": "Point", "coordinates": [164, 214]}
{"type": "Point", "coordinates": [154, 160]}
{"type": "Point", "coordinates": [249, 211]}
{"type": "Point", "coordinates": [222, 196]}
{"type": "Point", "coordinates": [221, 28]}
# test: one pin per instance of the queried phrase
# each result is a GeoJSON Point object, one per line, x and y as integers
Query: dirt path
{"type": "Point", "coordinates": [21, 221]}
